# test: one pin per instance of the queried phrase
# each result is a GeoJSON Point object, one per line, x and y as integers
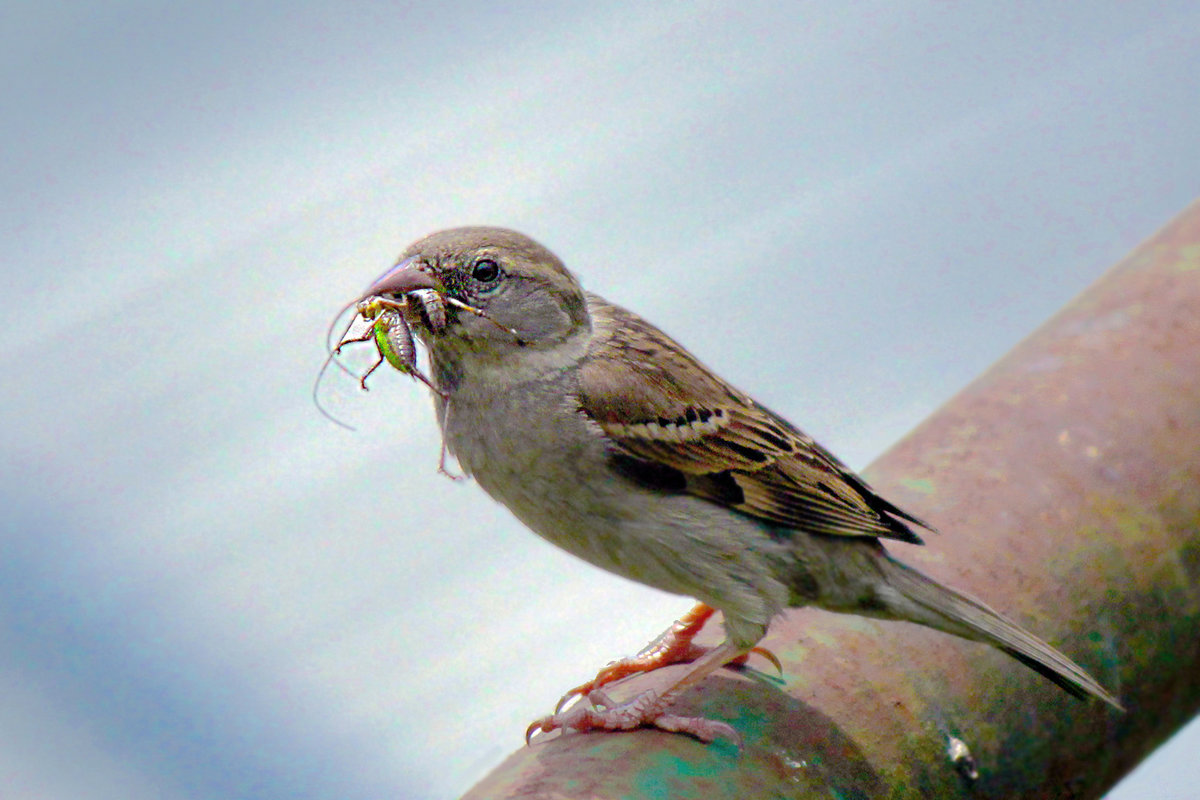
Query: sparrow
{"type": "Point", "coordinates": [609, 439]}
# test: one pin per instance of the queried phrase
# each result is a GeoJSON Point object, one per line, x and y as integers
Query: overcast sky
{"type": "Point", "coordinates": [207, 590]}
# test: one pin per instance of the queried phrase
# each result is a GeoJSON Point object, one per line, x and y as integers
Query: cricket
{"type": "Point", "coordinates": [389, 329]}
{"type": "Point", "coordinates": [390, 332]}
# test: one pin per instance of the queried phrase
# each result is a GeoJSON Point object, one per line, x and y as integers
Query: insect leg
{"type": "Point", "coordinates": [333, 324]}
{"type": "Point", "coordinates": [483, 315]}
{"type": "Point", "coordinates": [366, 337]}
{"type": "Point", "coordinates": [363, 380]}
{"type": "Point", "coordinates": [441, 467]}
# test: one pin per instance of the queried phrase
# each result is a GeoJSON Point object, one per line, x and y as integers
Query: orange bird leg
{"type": "Point", "coordinates": [650, 707]}
{"type": "Point", "coordinates": [673, 646]}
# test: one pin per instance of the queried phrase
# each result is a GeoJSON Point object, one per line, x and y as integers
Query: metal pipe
{"type": "Point", "coordinates": [1067, 481]}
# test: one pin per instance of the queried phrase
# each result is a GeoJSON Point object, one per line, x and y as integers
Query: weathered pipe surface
{"type": "Point", "coordinates": [1066, 481]}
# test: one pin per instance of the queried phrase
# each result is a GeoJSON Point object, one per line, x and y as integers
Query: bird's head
{"type": "Point", "coordinates": [501, 290]}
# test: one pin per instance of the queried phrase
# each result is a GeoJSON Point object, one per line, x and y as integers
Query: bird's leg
{"type": "Point", "coordinates": [672, 646]}
{"type": "Point", "coordinates": [650, 707]}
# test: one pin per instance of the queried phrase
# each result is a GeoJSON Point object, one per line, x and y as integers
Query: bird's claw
{"type": "Point", "coordinates": [762, 651]}
{"type": "Point", "coordinates": [599, 713]}
{"type": "Point", "coordinates": [650, 660]}
{"type": "Point", "coordinates": [615, 671]}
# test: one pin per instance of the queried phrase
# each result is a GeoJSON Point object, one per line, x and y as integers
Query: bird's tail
{"type": "Point", "coordinates": [928, 602]}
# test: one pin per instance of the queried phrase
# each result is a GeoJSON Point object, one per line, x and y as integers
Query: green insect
{"type": "Point", "coordinates": [393, 339]}
{"type": "Point", "coordinates": [388, 328]}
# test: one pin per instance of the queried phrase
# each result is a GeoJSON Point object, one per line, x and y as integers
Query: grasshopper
{"type": "Point", "coordinates": [392, 336]}
{"type": "Point", "coordinates": [389, 330]}
{"type": "Point", "coordinates": [393, 339]}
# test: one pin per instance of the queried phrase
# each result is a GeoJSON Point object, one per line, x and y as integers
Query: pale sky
{"type": "Point", "coordinates": [207, 590]}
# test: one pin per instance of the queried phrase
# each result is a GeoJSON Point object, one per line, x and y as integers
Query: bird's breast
{"type": "Point", "coordinates": [532, 449]}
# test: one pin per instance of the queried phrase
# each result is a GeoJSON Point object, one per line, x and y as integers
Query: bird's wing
{"type": "Point", "coordinates": [679, 427]}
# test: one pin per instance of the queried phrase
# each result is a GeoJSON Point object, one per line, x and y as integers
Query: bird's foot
{"type": "Point", "coordinates": [651, 659]}
{"type": "Point", "coordinates": [673, 646]}
{"type": "Point", "coordinates": [648, 709]}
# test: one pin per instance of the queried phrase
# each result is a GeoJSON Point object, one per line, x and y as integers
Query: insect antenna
{"type": "Point", "coordinates": [332, 359]}
{"type": "Point", "coordinates": [441, 467]}
{"type": "Point", "coordinates": [479, 312]}
{"type": "Point", "coordinates": [329, 347]}
{"type": "Point", "coordinates": [317, 399]}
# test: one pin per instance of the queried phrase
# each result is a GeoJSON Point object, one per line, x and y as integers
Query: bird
{"type": "Point", "coordinates": [609, 439]}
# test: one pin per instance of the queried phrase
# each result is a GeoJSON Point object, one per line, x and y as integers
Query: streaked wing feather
{"type": "Point", "coordinates": [665, 408]}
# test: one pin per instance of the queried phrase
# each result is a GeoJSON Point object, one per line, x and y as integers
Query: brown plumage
{"type": "Point", "coordinates": [661, 405]}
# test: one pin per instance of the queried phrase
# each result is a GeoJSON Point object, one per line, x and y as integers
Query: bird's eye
{"type": "Point", "coordinates": [485, 270]}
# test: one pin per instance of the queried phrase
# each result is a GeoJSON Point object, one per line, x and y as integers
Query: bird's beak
{"type": "Point", "coordinates": [408, 275]}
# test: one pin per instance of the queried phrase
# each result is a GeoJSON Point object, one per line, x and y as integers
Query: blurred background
{"type": "Point", "coordinates": [207, 589]}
